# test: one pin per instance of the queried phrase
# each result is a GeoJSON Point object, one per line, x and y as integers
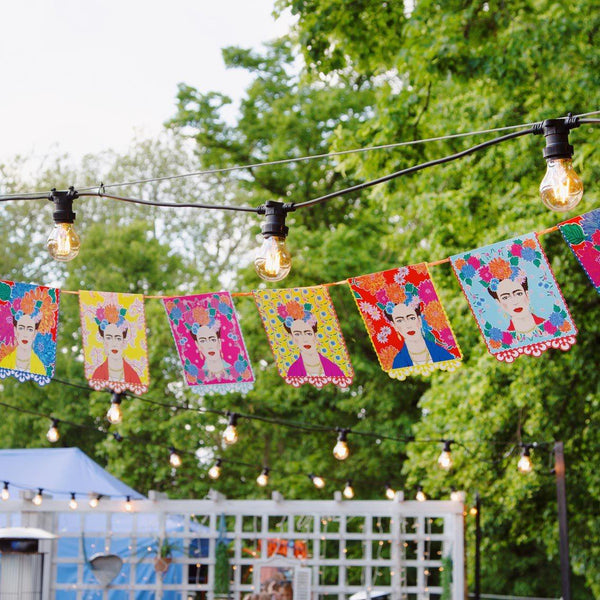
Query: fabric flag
{"type": "Point", "coordinates": [28, 327]}
{"type": "Point", "coordinates": [515, 298]}
{"type": "Point", "coordinates": [305, 336]}
{"type": "Point", "coordinates": [210, 344]}
{"type": "Point", "coordinates": [114, 341]}
{"type": "Point", "coordinates": [406, 322]}
{"type": "Point", "coordinates": [582, 233]}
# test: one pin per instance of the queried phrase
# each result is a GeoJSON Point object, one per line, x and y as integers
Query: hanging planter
{"type": "Point", "coordinates": [164, 555]}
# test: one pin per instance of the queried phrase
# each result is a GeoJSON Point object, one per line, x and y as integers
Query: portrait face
{"type": "Point", "coordinates": [303, 335]}
{"type": "Point", "coordinates": [25, 331]}
{"type": "Point", "coordinates": [513, 299]}
{"type": "Point", "coordinates": [208, 342]}
{"type": "Point", "coordinates": [406, 321]}
{"type": "Point", "coordinates": [114, 341]}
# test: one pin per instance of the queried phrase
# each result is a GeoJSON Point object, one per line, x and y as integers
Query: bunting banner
{"type": "Point", "coordinates": [28, 328]}
{"type": "Point", "coordinates": [406, 321]}
{"type": "Point", "coordinates": [582, 234]}
{"type": "Point", "coordinates": [209, 342]}
{"type": "Point", "coordinates": [515, 299]}
{"type": "Point", "coordinates": [305, 336]}
{"type": "Point", "coordinates": [113, 329]}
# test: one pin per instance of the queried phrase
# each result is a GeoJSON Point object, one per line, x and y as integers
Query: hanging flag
{"type": "Point", "coordinates": [210, 344]}
{"type": "Point", "coordinates": [582, 233]}
{"type": "Point", "coordinates": [114, 341]}
{"type": "Point", "coordinates": [515, 298]}
{"type": "Point", "coordinates": [406, 322]}
{"type": "Point", "coordinates": [28, 326]}
{"type": "Point", "coordinates": [305, 336]}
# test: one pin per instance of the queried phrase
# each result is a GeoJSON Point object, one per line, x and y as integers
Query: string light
{"type": "Point", "coordinates": [38, 498]}
{"type": "Point", "coordinates": [561, 188]}
{"type": "Point", "coordinates": [263, 478]}
{"type": "Point", "coordinates": [174, 458]}
{"type": "Point", "coordinates": [230, 435]}
{"type": "Point", "coordinates": [318, 481]}
{"type": "Point", "coordinates": [341, 450]}
{"type": "Point", "coordinates": [63, 244]}
{"type": "Point", "coordinates": [455, 495]}
{"type": "Point", "coordinates": [53, 435]}
{"type": "Point", "coordinates": [215, 471]}
{"type": "Point", "coordinates": [421, 497]}
{"type": "Point", "coordinates": [94, 500]}
{"type": "Point", "coordinates": [445, 458]}
{"type": "Point", "coordinates": [524, 465]}
{"type": "Point", "coordinates": [114, 413]}
{"type": "Point", "coordinates": [5, 492]}
{"type": "Point", "coordinates": [390, 493]}
{"type": "Point", "coordinates": [128, 505]}
{"type": "Point", "coordinates": [273, 260]}
{"type": "Point", "coordinates": [73, 502]}
{"type": "Point", "coordinates": [348, 490]}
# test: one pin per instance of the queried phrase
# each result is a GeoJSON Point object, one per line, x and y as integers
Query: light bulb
{"type": "Point", "coordinates": [174, 458]}
{"type": "Point", "coordinates": [94, 501]}
{"type": "Point", "coordinates": [525, 465]}
{"type": "Point", "coordinates": [114, 413]}
{"type": "Point", "coordinates": [341, 450]}
{"type": "Point", "coordinates": [215, 471]}
{"type": "Point", "coordinates": [445, 458]}
{"type": "Point", "coordinates": [73, 502]}
{"type": "Point", "coordinates": [348, 491]}
{"type": "Point", "coordinates": [52, 435]}
{"type": "Point", "coordinates": [455, 496]}
{"type": "Point", "coordinates": [37, 499]}
{"type": "Point", "coordinates": [390, 493]}
{"type": "Point", "coordinates": [273, 260]}
{"type": "Point", "coordinates": [561, 188]}
{"type": "Point", "coordinates": [128, 506]}
{"type": "Point", "coordinates": [63, 244]}
{"type": "Point", "coordinates": [318, 481]}
{"type": "Point", "coordinates": [421, 497]}
{"type": "Point", "coordinates": [230, 435]}
{"type": "Point", "coordinates": [263, 478]}
{"type": "Point", "coordinates": [5, 492]}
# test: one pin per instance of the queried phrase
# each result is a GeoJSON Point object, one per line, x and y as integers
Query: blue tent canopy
{"type": "Point", "coordinates": [60, 472]}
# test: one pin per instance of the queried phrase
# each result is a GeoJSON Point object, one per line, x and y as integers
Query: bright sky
{"type": "Point", "coordinates": [83, 76]}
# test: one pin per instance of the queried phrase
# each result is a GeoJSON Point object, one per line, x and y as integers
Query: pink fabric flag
{"type": "Point", "coordinates": [28, 328]}
{"type": "Point", "coordinates": [515, 298]}
{"type": "Point", "coordinates": [210, 343]}
{"type": "Point", "coordinates": [115, 353]}
{"type": "Point", "coordinates": [305, 336]}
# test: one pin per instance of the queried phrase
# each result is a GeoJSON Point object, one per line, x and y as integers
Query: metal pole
{"type": "Point", "coordinates": [477, 547]}
{"type": "Point", "coordinates": [563, 533]}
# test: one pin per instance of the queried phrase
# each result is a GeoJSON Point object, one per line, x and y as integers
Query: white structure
{"type": "Point", "coordinates": [317, 549]}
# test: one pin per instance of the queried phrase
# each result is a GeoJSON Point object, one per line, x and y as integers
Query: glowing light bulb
{"type": "Point", "coordinates": [473, 511]}
{"type": "Point", "coordinates": [341, 450]}
{"type": "Point", "coordinates": [52, 435]}
{"type": "Point", "coordinates": [37, 499]}
{"type": "Point", "coordinates": [5, 492]}
{"type": "Point", "coordinates": [390, 493]}
{"type": "Point", "coordinates": [128, 506]}
{"type": "Point", "coordinates": [94, 501]}
{"type": "Point", "coordinates": [230, 435]}
{"type": "Point", "coordinates": [445, 458]}
{"type": "Point", "coordinates": [215, 471]}
{"type": "Point", "coordinates": [174, 458]}
{"type": "Point", "coordinates": [318, 481]}
{"type": "Point", "coordinates": [114, 413]}
{"type": "Point", "coordinates": [63, 244]}
{"type": "Point", "coordinates": [421, 497]}
{"type": "Point", "coordinates": [455, 496]}
{"type": "Point", "coordinates": [263, 478]}
{"type": "Point", "coordinates": [525, 465]}
{"type": "Point", "coordinates": [561, 188]}
{"type": "Point", "coordinates": [348, 491]}
{"type": "Point", "coordinates": [73, 502]}
{"type": "Point", "coordinates": [273, 260]}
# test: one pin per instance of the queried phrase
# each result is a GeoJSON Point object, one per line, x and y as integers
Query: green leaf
{"type": "Point", "coordinates": [5, 290]}
{"type": "Point", "coordinates": [573, 233]}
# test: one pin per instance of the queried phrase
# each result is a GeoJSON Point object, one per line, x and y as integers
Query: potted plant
{"type": "Point", "coordinates": [164, 555]}
{"type": "Point", "coordinates": [221, 589]}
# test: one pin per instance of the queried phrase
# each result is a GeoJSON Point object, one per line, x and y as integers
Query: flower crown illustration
{"type": "Point", "coordinates": [197, 316]}
{"type": "Point", "coordinates": [36, 304]}
{"type": "Point", "coordinates": [289, 312]}
{"type": "Point", "coordinates": [389, 296]}
{"type": "Point", "coordinates": [110, 314]}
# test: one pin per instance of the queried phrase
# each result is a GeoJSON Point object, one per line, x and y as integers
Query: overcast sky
{"type": "Point", "coordinates": [83, 76]}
